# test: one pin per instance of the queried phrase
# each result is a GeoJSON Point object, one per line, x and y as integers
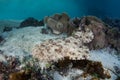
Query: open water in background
{"type": "Point", "coordinates": [21, 9]}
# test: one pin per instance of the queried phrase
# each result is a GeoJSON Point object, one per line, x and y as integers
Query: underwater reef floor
{"type": "Point", "coordinates": [60, 48]}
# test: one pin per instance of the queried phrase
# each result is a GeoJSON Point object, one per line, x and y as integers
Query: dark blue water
{"type": "Point", "coordinates": [20, 9]}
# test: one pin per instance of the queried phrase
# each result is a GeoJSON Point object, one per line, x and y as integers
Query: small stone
{"type": "Point", "coordinates": [94, 78]}
{"type": "Point", "coordinates": [44, 31]}
{"type": "Point", "coordinates": [7, 29]}
{"type": "Point", "coordinates": [1, 39]}
{"type": "Point", "coordinates": [117, 69]}
{"type": "Point", "coordinates": [22, 75]}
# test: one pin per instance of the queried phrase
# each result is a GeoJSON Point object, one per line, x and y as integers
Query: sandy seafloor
{"type": "Point", "coordinates": [19, 42]}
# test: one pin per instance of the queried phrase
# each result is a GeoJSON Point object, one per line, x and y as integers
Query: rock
{"type": "Point", "coordinates": [55, 26]}
{"type": "Point", "coordinates": [113, 37]}
{"type": "Point", "coordinates": [75, 22]}
{"type": "Point", "coordinates": [59, 23]}
{"type": "Point", "coordinates": [104, 35]}
{"type": "Point", "coordinates": [41, 23]}
{"type": "Point", "coordinates": [22, 75]}
{"type": "Point", "coordinates": [7, 29]}
{"type": "Point", "coordinates": [56, 16]}
{"type": "Point", "coordinates": [113, 32]}
{"type": "Point", "coordinates": [98, 28]}
{"type": "Point", "coordinates": [1, 39]}
{"type": "Point", "coordinates": [44, 31]}
{"type": "Point", "coordinates": [31, 22]}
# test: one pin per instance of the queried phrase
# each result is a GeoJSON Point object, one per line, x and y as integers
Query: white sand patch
{"type": "Point", "coordinates": [107, 57]}
{"type": "Point", "coordinates": [21, 41]}
{"type": "Point", "coordinates": [72, 74]}
{"type": "Point", "coordinates": [57, 76]}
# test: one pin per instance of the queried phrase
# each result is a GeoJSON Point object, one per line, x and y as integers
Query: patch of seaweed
{"type": "Point", "coordinates": [88, 66]}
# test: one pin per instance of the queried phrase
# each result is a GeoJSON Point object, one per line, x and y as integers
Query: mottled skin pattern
{"type": "Point", "coordinates": [72, 47]}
